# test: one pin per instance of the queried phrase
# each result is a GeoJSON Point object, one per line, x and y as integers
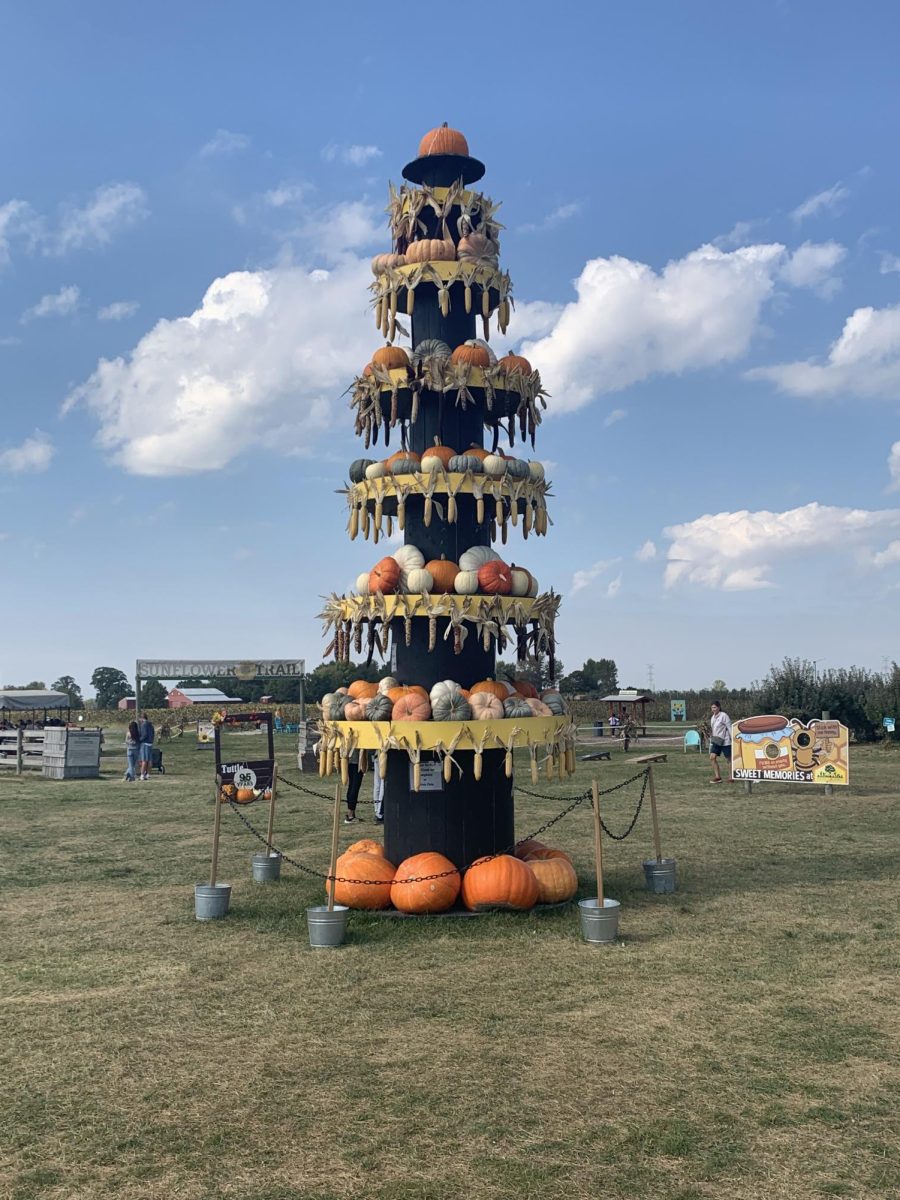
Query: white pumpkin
{"type": "Point", "coordinates": [494, 465]}
{"type": "Point", "coordinates": [476, 557]}
{"type": "Point", "coordinates": [385, 685]}
{"type": "Point", "coordinates": [521, 581]}
{"type": "Point", "coordinates": [536, 470]}
{"type": "Point", "coordinates": [409, 557]}
{"type": "Point", "coordinates": [376, 470]}
{"type": "Point", "coordinates": [448, 703]}
{"type": "Point", "coordinates": [362, 583]}
{"type": "Point", "coordinates": [466, 583]}
{"type": "Point", "coordinates": [431, 462]}
{"type": "Point", "coordinates": [416, 581]}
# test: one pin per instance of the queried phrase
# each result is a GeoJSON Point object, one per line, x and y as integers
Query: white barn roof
{"type": "Point", "coordinates": [207, 695]}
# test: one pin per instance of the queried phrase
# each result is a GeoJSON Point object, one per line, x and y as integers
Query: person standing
{"type": "Point", "coordinates": [132, 749]}
{"type": "Point", "coordinates": [719, 739]}
{"type": "Point", "coordinates": [147, 734]}
{"type": "Point", "coordinates": [378, 793]}
{"type": "Point", "coordinates": [354, 783]}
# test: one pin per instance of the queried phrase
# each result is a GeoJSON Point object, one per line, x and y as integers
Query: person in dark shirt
{"type": "Point", "coordinates": [145, 756]}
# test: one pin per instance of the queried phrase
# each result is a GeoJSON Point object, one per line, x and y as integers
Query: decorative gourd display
{"type": "Point", "coordinates": [477, 247]}
{"type": "Point", "coordinates": [438, 457]}
{"type": "Point", "coordinates": [444, 573]}
{"type": "Point", "coordinates": [361, 689]}
{"type": "Point", "coordinates": [245, 795]}
{"type": "Point", "coordinates": [523, 583]}
{"type": "Point", "coordinates": [387, 262]}
{"type": "Point", "coordinates": [377, 470]}
{"type": "Point", "coordinates": [486, 706]}
{"type": "Point", "coordinates": [354, 711]}
{"type": "Point", "coordinates": [364, 895]}
{"type": "Point", "coordinates": [443, 140]}
{"type": "Point", "coordinates": [358, 469]}
{"type": "Point", "coordinates": [409, 557]}
{"type": "Point", "coordinates": [492, 686]}
{"type": "Point", "coordinates": [407, 464]}
{"type": "Point", "coordinates": [429, 348]}
{"type": "Point", "coordinates": [555, 878]}
{"type": "Point", "coordinates": [362, 583]}
{"type": "Point", "coordinates": [417, 581]}
{"type": "Point", "coordinates": [538, 707]}
{"type": "Point", "coordinates": [554, 702]}
{"type": "Point", "coordinates": [517, 468]}
{"type": "Point", "coordinates": [526, 689]}
{"type": "Point", "coordinates": [478, 451]}
{"type": "Point", "coordinates": [477, 556]}
{"type": "Point", "coordinates": [401, 456]}
{"type": "Point", "coordinates": [430, 895]}
{"type": "Point", "coordinates": [495, 465]}
{"type": "Point", "coordinates": [465, 583]}
{"type": "Point", "coordinates": [379, 708]}
{"type": "Point", "coordinates": [390, 357]}
{"type": "Point", "coordinates": [516, 706]}
{"type": "Point", "coordinates": [515, 364]}
{"type": "Point", "coordinates": [472, 353]}
{"type": "Point", "coordinates": [448, 703]}
{"type": "Point", "coordinates": [385, 576]}
{"type": "Point", "coordinates": [430, 250]}
{"type": "Point", "coordinates": [412, 707]}
{"type": "Point", "coordinates": [499, 882]}
{"type": "Point", "coordinates": [494, 578]}
{"type": "Point", "coordinates": [385, 684]}
{"type": "Point", "coordinates": [465, 462]}
{"type": "Point", "coordinates": [535, 470]}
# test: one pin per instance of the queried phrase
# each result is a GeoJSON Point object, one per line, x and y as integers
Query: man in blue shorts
{"type": "Point", "coordinates": [719, 740]}
{"type": "Point", "coordinates": [146, 733]}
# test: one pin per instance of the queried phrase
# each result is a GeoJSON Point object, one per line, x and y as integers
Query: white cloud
{"type": "Point", "coordinates": [352, 225]}
{"type": "Point", "coordinates": [258, 367]}
{"type": "Point", "coordinates": [864, 360]}
{"type": "Point", "coordinates": [612, 588]}
{"type": "Point", "coordinates": [889, 263]}
{"type": "Point", "coordinates": [58, 304]}
{"type": "Point", "coordinates": [112, 208]}
{"type": "Point", "coordinates": [563, 213]}
{"type": "Point", "coordinates": [812, 266]}
{"type": "Point", "coordinates": [17, 222]}
{"type": "Point", "coordinates": [617, 414]}
{"type": "Point", "coordinates": [10, 341]}
{"type": "Point", "coordinates": [584, 578]}
{"type": "Point", "coordinates": [646, 552]}
{"type": "Point", "coordinates": [894, 467]}
{"type": "Point", "coordinates": [34, 454]}
{"type": "Point", "coordinates": [630, 322]}
{"type": "Point", "coordinates": [888, 556]}
{"type": "Point", "coordinates": [740, 234]}
{"type": "Point", "coordinates": [118, 310]}
{"type": "Point", "coordinates": [735, 551]}
{"type": "Point", "coordinates": [285, 194]}
{"type": "Point", "coordinates": [829, 201]}
{"type": "Point", "coordinates": [224, 141]}
{"type": "Point", "coordinates": [354, 156]}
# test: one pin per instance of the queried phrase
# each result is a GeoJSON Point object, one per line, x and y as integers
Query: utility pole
{"type": "Point", "coordinates": [650, 677]}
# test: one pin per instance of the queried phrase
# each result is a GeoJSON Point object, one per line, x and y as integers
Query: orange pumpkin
{"type": "Point", "coordinates": [412, 707]}
{"type": "Point", "coordinates": [526, 689]}
{"type": "Point", "coordinates": [478, 452]}
{"type": "Point", "coordinates": [472, 354]}
{"type": "Point", "coordinates": [354, 711]}
{"type": "Point", "coordinates": [444, 453]}
{"type": "Point", "coordinates": [491, 686]}
{"type": "Point", "coordinates": [443, 140]}
{"type": "Point", "coordinates": [501, 882]}
{"type": "Point", "coordinates": [401, 454]}
{"type": "Point", "coordinates": [360, 689]}
{"type": "Point", "coordinates": [367, 369]}
{"type": "Point", "coordinates": [361, 867]}
{"type": "Point", "coordinates": [385, 576]}
{"type": "Point", "coordinates": [494, 578]}
{"type": "Point", "coordinates": [245, 795]}
{"type": "Point", "coordinates": [523, 849]}
{"type": "Point", "coordinates": [429, 896]}
{"type": "Point", "coordinates": [390, 357]}
{"type": "Point", "coordinates": [430, 250]}
{"type": "Point", "coordinates": [397, 693]}
{"type": "Point", "coordinates": [443, 573]}
{"type": "Point", "coordinates": [486, 706]}
{"type": "Point", "coordinates": [515, 364]}
{"type": "Point", "coordinates": [555, 878]}
{"type": "Point", "coordinates": [545, 853]}
{"type": "Point", "coordinates": [366, 846]}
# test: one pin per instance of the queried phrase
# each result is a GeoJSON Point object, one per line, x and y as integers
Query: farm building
{"type": "Point", "coordinates": [182, 697]}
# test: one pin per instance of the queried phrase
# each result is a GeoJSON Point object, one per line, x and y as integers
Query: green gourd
{"type": "Point", "coordinates": [358, 469]}
{"type": "Point", "coordinates": [465, 462]}
{"type": "Point", "coordinates": [517, 706]}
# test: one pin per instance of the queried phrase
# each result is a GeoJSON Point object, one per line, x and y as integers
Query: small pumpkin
{"type": "Point", "coordinates": [465, 583]}
{"type": "Point", "coordinates": [477, 556]}
{"type": "Point", "coordinates": [521, 581]}
{"type": "Point", "coordinates": [387, 262]}
{"type": "Point", "coordinates": [486, 706]}
{"type": "Point", "coordinates": [538, 707]}
{"type": "Point", "coordinates": [245, 795]}
{"type": "Point", "coordinates": [358, 469]}
{"type": "Point", "coordinates": [516, 706]}
{"type": "Point", "coordinates": [555, 878]}
{"type": "Point", "coordinates": [401, 456]}
{"type": "Point", "coordinates": [385, 684]}
{"type": "Point", "coordinates": [500, 882]}
{"type": "Point", "coordinates": [437, 456]}
{"type": "Point", "coordinates": [430, 250]}
{"type": "Point", "coordinates": [364, 895]}
{"type": "Point", "coordinates": [478, 247]}
{"type": "Point", "coordinates": [443, 140]}
{"type": "Point", "coordinates": [526, 689]}
{"type": "Point", "coordinates": [361, 689]}
{"type": "Point", "coordinates": [465, 462]}
{"type": "Point", "coordinates": [379, 708]}
{"type": "Point", "coordinates": [444, 573]}
{"type": "Point", "coordinates": [412, 707]}
{"type": "Point", "coordinates": [430, 348]}
{"type": "Point", "coordinates": [517, 468]}
{"type": "Point", "coordinates": [448, 702]}
{"type": "Point", "coordinates": [385, 576]}
{"type": "Point", "coordinates": [535, 470]}
{"type": "Point", "coordinates": [417, 581]}
{"type": "Point", "coordinates": [397, 692]}
{"type": "Point", "coordinates": [515, 364]}
{"type": "Point", "coordinates": [408, 465]}
{"type": "Point", "coordinates": [554, 702]}
{"type": "Point", "coordinates": [429, 895]}
{"type": "Point", "coordinates": [377, 470]}
{"type": "Point", "coordinates": [409, 557]}
{"type": "Point", "coordinates": [493, 688]}
{"type": "Point", "coordinates": [472, 353]}
{"type": "Point", "coordinates": [495, 465]}
{"type": "Point", "coordinates": [494, 578]}
{"type": "Point", "coordinates": [390, 357]}
{"type": "Point", "coordinates": [354, 711]}
{"type": "Point", "coordinates": [362, 583]}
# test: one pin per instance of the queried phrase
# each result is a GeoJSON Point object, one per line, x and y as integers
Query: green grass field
{"type": "Point", "coordinates": [739, 1041]}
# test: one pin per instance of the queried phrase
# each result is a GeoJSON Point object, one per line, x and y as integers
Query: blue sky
{"type": "Point", "coordinates": [700, 204]}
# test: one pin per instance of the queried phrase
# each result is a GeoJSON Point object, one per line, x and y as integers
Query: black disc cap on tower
{"type": "Point", "coordinates": [441, 170]}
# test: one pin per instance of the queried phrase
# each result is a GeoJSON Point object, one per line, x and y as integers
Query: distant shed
{"type": "Point", "coordinates": [624, 705]}
{"type": "Point", "coordinates": [182, 697]}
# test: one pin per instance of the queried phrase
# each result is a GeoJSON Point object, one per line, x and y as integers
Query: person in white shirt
{"type": "Point", "coordinates": [719, 739]}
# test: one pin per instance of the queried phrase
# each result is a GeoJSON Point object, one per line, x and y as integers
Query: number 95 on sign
{"type": "Point", "coordinates": [245, 777]}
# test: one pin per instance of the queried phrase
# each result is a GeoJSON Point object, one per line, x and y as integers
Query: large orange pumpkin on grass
{"type": "Point", "coordinates": [362, 867]}
{"type": "Point", "coordinates": [443, 140]}
{"type": "Point", "coordinates": [366, 846]}
{"type": "Point", "coordinates": [429, 896]}
{"type": "Point", "coordinates": [556, 879]}
{"type": "Point", "coordinates": [385, 576]}
{"type": "Point", "coordinates": [501, 882]}
{"type": "Point", "coordinates": [545, 854]}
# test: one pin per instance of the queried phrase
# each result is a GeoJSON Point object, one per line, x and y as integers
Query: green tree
{"type": "Point", "coordinates": [331, 675]}
{"type": "Point", "coordinates": [67, 684]}
{"type": "Point", "coordinates": [153, 694]}
{"type": "Point", "coordinates": [719, 685]}
{"type": "Point", "coordinates": [111, 686]}
{"type": "Point", "coordinates": [36, 685]}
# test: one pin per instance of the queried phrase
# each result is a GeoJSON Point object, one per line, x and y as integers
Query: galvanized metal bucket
{"type": "Point", "coordinates": [327, 928]}
{"type": "Point", "coordinates": [599, 924]}
{"type": "Point", "coordinates": [266, 868]}
{"type": "Point", "coordinates": [660, 875]}
{"type": "Point", "coordinates": [211, 901]}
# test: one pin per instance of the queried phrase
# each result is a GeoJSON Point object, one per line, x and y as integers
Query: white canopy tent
{"type": "Point", "coordinates": [32, 700]}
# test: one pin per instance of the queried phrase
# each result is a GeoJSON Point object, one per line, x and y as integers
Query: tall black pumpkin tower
{"type": "Point", "coordinates": [450, 495]}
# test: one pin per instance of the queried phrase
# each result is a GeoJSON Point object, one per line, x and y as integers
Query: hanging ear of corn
{"type": "Point", "coordinates": [479, 510]}
{"type": "Point", "coordinates": [365, 521]}
{"type": "Point", "coordinates": [354, 522]}
{"type": "Point", "coordinates": [322, 763]}
{"type": "Point", "coordinates": [426, 518]}
{"type": "Point", "coordinates": [382, 763]}
{"type": "Point", "coordinates": [451, 510]}
{"type": "Point", "coordinates": [486, 328]}
{"type": "Point", "coordinates": [508, 763]}
{"type": "Point", "coordinates": [448, 768]}
{"type": "Point", "coordinates": [410, 300]}
{"type": "Point", "coordinates": [534, 765]}
{"type": "Point", "coordinates": [329, 760]}
{"type": "Point", "coordinates": [476, 766]}
{"type": "Point", "coordinates": [417, 775]}
{"type": "Point", "coordinates": [467, 293]}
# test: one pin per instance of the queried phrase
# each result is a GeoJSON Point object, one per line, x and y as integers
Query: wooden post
{"type": "Point", "coordinates": [217, 824]}
{"type": "Point", "coordinates": [332, 870]}
{"type": "Point", "coordinates": [271, 826]}
{"type": "Point", "coordinates": [653, 813]}
{"type": "Point", "coordinates": [748, 786]}
{"type": "Point", "coordinates": [19, 738]}
{"type": "Point", "coordinates": [598, 846]}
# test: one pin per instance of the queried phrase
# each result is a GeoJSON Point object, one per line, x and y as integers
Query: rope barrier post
{"type": "Point", "coordinates": [598, 846]}
{"type": "Point", "coordinates": [653, 813]}
{"type": "Point", "coordinates": [217, 825]}
{"type": "Point", "coordinates": [332, 871]}
{"type": "Point", "coordinates": [270, 829]}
